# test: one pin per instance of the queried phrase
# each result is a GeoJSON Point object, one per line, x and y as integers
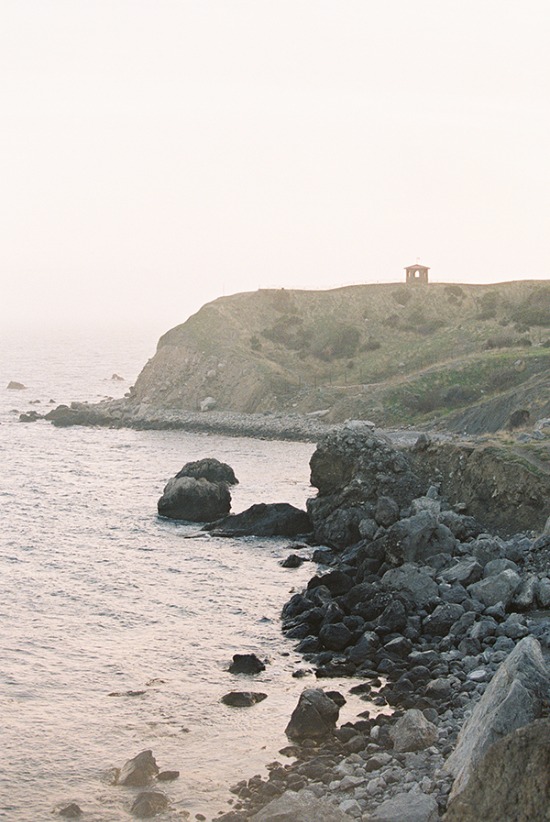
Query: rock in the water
{"type": "Point", "coordinates": [117, 378]}
{"type": "Point", "coordinates": [299, 806]}
{"type": "Point", "coordinates": [514, 698]}
{"type": "Point", "coordinates": [148, 804]}
{"type": "Point", "coordinates": [194, 500]}
{"type": "Point", "coordinates": [314, 717]}
{"type": "Point", "coordinates": [71, 811]}
{"type": "Point", "coordinates": [263, 520]}
{"type": "Point", "coordinates": [243, 699]}
{"type": "Point", "coordinates": [13, 385]}
{"type": "Point", "coordinates": [512, 780]}
{"type": "Point", "coordinates": [413, 732]}
{"type": "Point", "coordinates": [210, 469]}
{"type": "Point", "coordinates": [139, 771]}
{"type": "Point", "coordinates": [407, 807]}
{"type": "Point", "coordinates": [246, 664]}
{"type": "Point", "coordinates": [167, 776]}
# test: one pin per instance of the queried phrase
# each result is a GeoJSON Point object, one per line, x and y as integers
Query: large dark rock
{"type": "Point", "coordinates": [210, 469]}
{"type": "Point", "coordinates": [243, 699]}
{"type": "Point", "coordinates": [276, 519]}
{"type": "Point", "coordinates": [514, 698]}
{"type": "Point", "coordinates": [139, 771]}
{"type": "Point", "coordinates": [194, 500]}
{"type": "Point", "coordinates": [246, 664]}
{"type": "Point", "coordinates": [512, 780]}
{"type": "Point", "coordinates": [314, 717]}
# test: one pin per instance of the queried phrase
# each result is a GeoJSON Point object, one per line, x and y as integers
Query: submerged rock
{"type": "Point", "coordinates": [243, 699]}
{"type": "Point", "coordinates": [148, 804]}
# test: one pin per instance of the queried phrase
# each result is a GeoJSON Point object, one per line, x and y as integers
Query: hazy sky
{"type": "Point", "coordinates": [155, 155]}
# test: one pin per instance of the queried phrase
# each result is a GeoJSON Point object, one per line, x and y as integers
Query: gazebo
{"type": "Point", "coordinates": [417, 273]}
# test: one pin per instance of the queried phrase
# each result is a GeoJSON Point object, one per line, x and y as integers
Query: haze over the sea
{"type": "Point", "coordinates": [157, 155]}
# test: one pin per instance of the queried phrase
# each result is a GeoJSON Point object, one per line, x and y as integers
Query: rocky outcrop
{"type": "Point", "coordinates": [503, 487]}
{"type": "Point", "coordinates": [194, 500]}
{"type": "Point", "coordinates": [515, 697]}
{"type": "Point", "coordinates": [199, 492]}
{"type": "Point", "coordinates": [361, 479]}
{"type": "Point", "coordinates": [263, 520]}
{"type": "Point", "coordinates": [511, 781]}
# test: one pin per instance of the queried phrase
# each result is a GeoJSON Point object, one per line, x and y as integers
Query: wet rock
{"type": "Point", "coordinates": [148, 804]}
{"type": "Point", "coordinates": [292, 561]}
{"type": "Point", "coordinates": [263, 520]}
{"type": "Point", "coordinates": [139, 771]}
{"type": "Point", "coordinates": [30, 416]}
{"type": "Point", "coordinates": [314, 717]}
{"type": "Point", "coordinates": [194, 500]}
{"type": "Point", "coordinates": [514, 697]}
{"type": "Point", "coordinates": [243, 699]}
{"type": "Point", "coordinates": [167, 776]}
{"type": "Point", "coordinates": [413, 732]}
{"type": "Point", "coordinates": [246, 664]}
{"type": "Point", "coordinates": [511, 781]}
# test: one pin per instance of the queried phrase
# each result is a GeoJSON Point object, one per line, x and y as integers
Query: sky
{"type": "Point", "coordinates": [158, 154]}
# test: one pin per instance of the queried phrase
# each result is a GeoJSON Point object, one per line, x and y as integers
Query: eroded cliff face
{"type": "Point", "coordinates": [499, 484]}
{"type": "Point", "coordinates": [494, 483]}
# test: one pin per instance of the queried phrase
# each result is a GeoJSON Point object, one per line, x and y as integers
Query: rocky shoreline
{"type": "Point", "coordinates": [442, 626]}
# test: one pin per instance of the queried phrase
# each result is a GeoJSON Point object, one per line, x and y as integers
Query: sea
{"type": "Point", "coordinates": [117, 627]}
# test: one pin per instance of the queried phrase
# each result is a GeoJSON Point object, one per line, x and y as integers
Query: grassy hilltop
{"type": "Point", "coordinates": [464, 356]}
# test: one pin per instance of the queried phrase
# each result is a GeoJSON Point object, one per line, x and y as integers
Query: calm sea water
{"type": "Point", "coordinates": [100, 596]}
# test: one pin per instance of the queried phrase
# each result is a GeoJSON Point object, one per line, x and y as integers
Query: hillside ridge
{"type": "Point", "coordinates": [460, 356]}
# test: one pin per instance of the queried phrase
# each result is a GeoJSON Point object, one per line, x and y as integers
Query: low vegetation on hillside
{"type": "Point", "coordinates": [398, 354]}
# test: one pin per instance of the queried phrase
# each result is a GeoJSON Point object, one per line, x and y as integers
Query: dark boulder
{"type": "Point", "coordinates": [210, 469]}
{"type": "Point", "coordinates": [276, 519]}
{"type": "Point", "coordinates": [194, 500]}
{"type": "Point", "coordinates": [314, 717]}
{"type": "Point", "coordinates": [71, 811]}
{"type": "Point", "coordinates": [243, 699]}
{"type": "Point", "coordinates": [246, 664]}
